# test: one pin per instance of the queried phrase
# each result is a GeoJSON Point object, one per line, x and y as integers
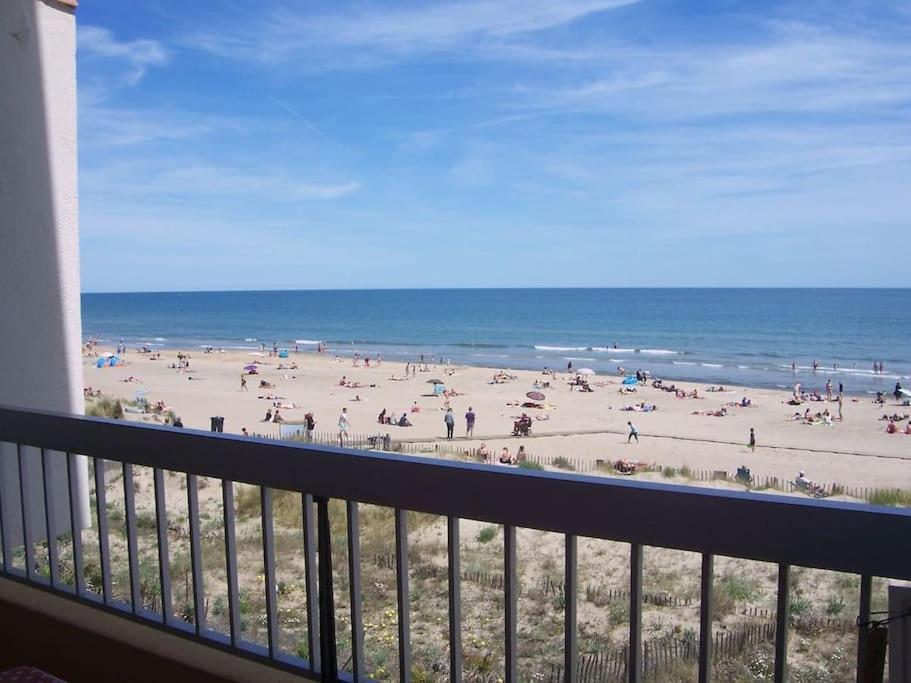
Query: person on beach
{"type": "Point", "coordinates": [469, 423]}
{"type": "Point", "coordinates": [309, 426]}
{"type": "Point", "coordinates": [483, 453]}
{"type": "Point", "coordinates": [521, 455]}
{"type": "Point", "coordinates": [343, 426]}
{"type": "Point", "coordinates": [449, 420]}
{"type": "Point", "coordinates": [268, 417]}
{"type": "Point", "coordinates": [569, 367]}
{"type": "Point", "coordinates": [828, 390]}
{"type": "Point", "coordinates": [244, 432]}
{"type": "Point", "coordinates": [841, 402]}
{"type": "Point", "coordinates": [277, 417]}
{"type": "Point", "coordinates": [752, 444]}
{"type": "Point", "coordinates": [243, 383]}
{"type": "Point", "coordinates": [633, 433]}
{"type": "Point", "coordinates": [841, 388]}
{"type": "Point", "coordinates": [505, 457]}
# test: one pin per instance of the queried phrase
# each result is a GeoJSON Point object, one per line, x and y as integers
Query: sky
{"type": "Point", "coordinates": [310, 145]}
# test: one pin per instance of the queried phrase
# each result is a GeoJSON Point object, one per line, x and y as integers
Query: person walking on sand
{"type": "Point", "coordinates": [343, 426]}
{"type": "Point", "coordinates": [449, 419]}
{"type": "Point", "coordinates": [633, 433]}
{"type": "Point", "coordinates": [841, 403]}
{"type": "Point", "coordinates": [243, 383]}
{"type": "Point", "coordinates": [469, 423]}
{"type": "Point", "coordinates": [752, 444]}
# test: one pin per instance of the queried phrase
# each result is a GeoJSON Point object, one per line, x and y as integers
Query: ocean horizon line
{"type": "Point", "coordinates": [513, 289]}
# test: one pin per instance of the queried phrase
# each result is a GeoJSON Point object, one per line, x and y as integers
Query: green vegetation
{"type": "Point", "coordinates": [530, 465]}
{"type": "Point", "coordinates": [487, 534]}
{"type": "Point", "coordinates": [891, 497]}
{"type": "Point", "coordinates": [564, 464]}
{"type": "Point", "coordinates": [105, 407]}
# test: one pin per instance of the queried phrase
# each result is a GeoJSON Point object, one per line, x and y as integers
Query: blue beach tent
{"type": "Point", "coordinates": [630, 379]}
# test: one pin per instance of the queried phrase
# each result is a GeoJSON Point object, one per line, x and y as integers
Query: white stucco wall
{"type": "Point", "coordinates": [40, 322]}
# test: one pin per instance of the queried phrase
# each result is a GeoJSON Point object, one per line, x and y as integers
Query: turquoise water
{"type": "Point", "coordinates": [732, 336]}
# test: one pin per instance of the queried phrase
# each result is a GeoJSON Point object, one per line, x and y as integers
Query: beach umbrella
{"type": "Point", "coordinates": [585, 371]}
{"type": "Point", "coordinates": [435, 381]}
{"type": "Point", "coordinates": [535, 396]}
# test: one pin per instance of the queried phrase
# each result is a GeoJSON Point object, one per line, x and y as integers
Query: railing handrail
{"type": "Point", "coordinates": [847, 537]}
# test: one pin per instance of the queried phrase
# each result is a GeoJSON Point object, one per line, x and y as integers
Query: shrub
{"type": "Point", "coordinates": [891, 497]}
{"type": "Point", "coordinates": [563, 464]}
{"type": "Point", "coordinates": [530, 465]}
{"type": "Point", "coordinates": [835, 605]}
{"type": "Point", "coordinates": [487, 534]}
{"type": "Point", "coordinates": [668, 472]}
{"type": "Point", "coordinates": [105, 407]}
{"type": "Point", "coordinates": [800, 606]}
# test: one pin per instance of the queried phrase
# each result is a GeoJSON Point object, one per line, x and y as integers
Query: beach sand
{"type": "Point", "coordinates": [581, 426]}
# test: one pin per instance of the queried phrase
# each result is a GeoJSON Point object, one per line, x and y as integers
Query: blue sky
{"type": "Point", "coordinates": [296, 145]}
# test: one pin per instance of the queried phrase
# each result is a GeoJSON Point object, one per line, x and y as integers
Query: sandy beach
{"type": "Point", "coordinates": [680, 432]}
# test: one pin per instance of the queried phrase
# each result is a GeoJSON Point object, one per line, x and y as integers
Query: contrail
{"type": "Point", "coordinates": [287, 107]}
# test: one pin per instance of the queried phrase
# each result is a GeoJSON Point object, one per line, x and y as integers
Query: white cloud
{"type": "Point", "coordinates": [139, 55]}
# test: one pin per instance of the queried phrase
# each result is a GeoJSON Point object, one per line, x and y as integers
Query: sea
{"type": "Point", "coordinates": [748, 337]}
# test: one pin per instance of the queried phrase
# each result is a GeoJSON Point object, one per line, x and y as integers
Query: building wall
{"type": "Point", "coordinates": [40, 324]}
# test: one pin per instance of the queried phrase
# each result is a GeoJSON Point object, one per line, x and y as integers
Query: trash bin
{"type": "Point", "coordinates": [218, 424]}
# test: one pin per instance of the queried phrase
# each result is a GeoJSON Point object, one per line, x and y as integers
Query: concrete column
{"type": "Point", "coordinates": [40, 321]}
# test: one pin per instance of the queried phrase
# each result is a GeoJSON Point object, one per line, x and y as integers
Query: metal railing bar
{"type": "Point", "coordinates": [199, 595]}
{"type": "Point", "coordinates": [75, 526]}
{"type": "Point", "coordinates": [510, 597]}
{"type": "Point", "coordinates": [28, 538]}
{"type": "Point", "coordinates": [475, 491]}
{"type": "Point", "coordinates": [104, 541]}
{"type": "Point", "coordinates": [402, 594]}
{"type": "Point", "coordinates": [455, 599]}
{"type": "Point", "coordinates": [227, 498]}
{"type": "Point", "coordinates": [129, 511]}
{"type": "Point", "coordinates": [863, 613]}
{"type": "Point", "coordinates": [50, 516]}
{"type": "Point", "coordinates": [354, 591]}
{"type": "Point", "coordinates": [706, 607]}
{"type": "Point", "coordinates": [327, 641]}
{"type": "Point", "coordinates": [782, 619]}
{"type": "Point", "coordinates": [5, 548]}
{"type": "Point", "coordinates": [164, 556]}
{"type": "Point", "coordinates": [310, 577]}
{"type": "Point", "coordinates": [570, 592]}
{"type": "Point", "coordinates": [269, 570]}
{"type": "Point", "coordinates": [635, 613]}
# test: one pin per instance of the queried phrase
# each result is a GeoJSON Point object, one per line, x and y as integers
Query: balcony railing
{"type": "Point", "coordinates": [859, 539]}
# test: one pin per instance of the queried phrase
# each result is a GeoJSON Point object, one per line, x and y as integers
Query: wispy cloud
{"type": "Point", "coordinates": [163, 178]}
{"type": "Point", "coordinates": [377, 36]}
{"type": "Point", "coordinates": [792, 72]}
{"type": "Point", "coordinates": [138, 55]}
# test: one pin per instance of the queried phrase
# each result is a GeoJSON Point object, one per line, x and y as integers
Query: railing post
{"type": "Point", "coordinates": [455, 600]}
{"type": "Point", "coordinates": [570, 648]}
{"type": "Point", "coordinates": [327, 644]}
{"type": "Point", "coordinates": [706, 607]}
{"type": "Point", "coordinates": [510, 594]}
{"type": "Point", "coordinates": [635, 613]}
{"type": "Point", "coordinates": [783, 617]}
{"type": "Point", "coordinates": [866, 595]}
